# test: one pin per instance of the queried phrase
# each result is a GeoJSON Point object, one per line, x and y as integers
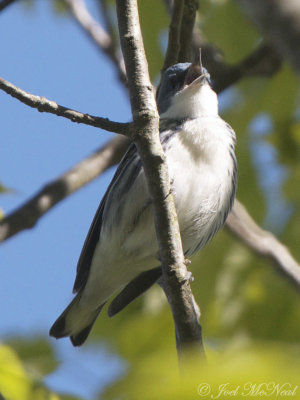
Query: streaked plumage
{"type": "Point", "coordinates": [121, 250]}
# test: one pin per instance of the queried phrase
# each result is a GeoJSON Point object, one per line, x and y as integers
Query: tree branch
{"type": "Point", "coordinates": [99, 36]}
{"type": "Point", "coordinates": [187, 26]}
{"type": "Point", "coordinates": [264, 61]}
{"type": "Point", "coordinates": [173, 48]}
{"type": "Point", "coordinates": [262, 242]}
{"type": "Point", "coordinates": [90, 168]}
{"type": "Point", "coordinates": [239, 221]}
{"type": "Point", "coordinates": [109, 25]}
{"type": "Point", "coordinates": [146, 137]}
{"type": "Point", "coordinates": [6, 3]}
{"type": "Point", "coordinates": [44, 105]}
{"type": "Point", "coordinates": [279, 20]}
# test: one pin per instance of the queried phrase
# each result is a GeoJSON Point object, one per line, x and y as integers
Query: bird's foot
{"type": "Point", "coordinates": [189, 277]}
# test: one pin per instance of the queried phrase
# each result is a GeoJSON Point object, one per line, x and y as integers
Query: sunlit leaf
{"type": "Point", "coordinates": [15, 383]}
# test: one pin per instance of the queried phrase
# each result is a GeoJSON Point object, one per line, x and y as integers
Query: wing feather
{"type": "Point", "coordinates": [86, 256]}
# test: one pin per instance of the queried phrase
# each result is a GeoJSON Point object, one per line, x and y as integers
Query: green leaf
{"type": "Point", "coordinates": [224, 25]}
{"type": "Point", "coordinates": [36, 355]}
{"type": "Point", "coordinates": [16, 383]}
{"type": "Point", "coordinates": [5, 189]}
{"type": "Point", "coordinates": [154, 21]}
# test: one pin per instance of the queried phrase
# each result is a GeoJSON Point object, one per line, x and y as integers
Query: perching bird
{"type": "Point", "coordinates": [121, 251]}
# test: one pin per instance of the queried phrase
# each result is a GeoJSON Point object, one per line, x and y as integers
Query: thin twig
{"type": "Point", "coordinates": [174, 35]}
{"type": "Point", "coordinates": [169, 5]}
{"type": "Point", "coordinates": [187, 26]}
{"type": "Point", "coordinates": [105, 11]}
{"type": "Point", "coordinates": [90, 168]}
{"type": "Point", "coordinates": [145, 115]}
{"type": "Point", "coordinates": [100, 37]}
{"type": "Point", "coordinates": [44, 105]}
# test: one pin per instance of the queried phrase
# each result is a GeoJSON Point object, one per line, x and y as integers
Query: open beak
{"type": "Point", "coordinates": [195, 74]}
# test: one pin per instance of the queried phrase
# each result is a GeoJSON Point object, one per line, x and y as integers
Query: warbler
{"type": "Point", "coordinates": [120, 252]}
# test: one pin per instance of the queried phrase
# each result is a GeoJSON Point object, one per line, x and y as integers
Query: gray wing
{"type": "Point", "coordinates": [131, 164]}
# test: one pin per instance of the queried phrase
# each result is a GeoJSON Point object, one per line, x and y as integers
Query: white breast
{"type": "Point", "coordinates": [201, 167]}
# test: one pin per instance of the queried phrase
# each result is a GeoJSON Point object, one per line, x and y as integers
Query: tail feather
{"type": "Point", "coordinates": [134, 289]}
{"type": "Point", "coordinates": [75, 321]}
{"type": "Point", "coordinates": [79, 338]}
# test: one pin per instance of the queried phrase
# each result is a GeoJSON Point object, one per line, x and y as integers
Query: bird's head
{"type": "Point", "coordinates": [185, 92]}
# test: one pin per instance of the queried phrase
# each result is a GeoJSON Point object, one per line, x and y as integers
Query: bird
{"type": "Point", "coordinates": [120, 253]}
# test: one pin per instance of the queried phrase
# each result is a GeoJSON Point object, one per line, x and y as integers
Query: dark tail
{"type": "Point", "coordinates": [76, 321]}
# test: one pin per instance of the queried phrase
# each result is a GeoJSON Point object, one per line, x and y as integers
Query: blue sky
{"type": "Point", "coordinates": [48, 55]}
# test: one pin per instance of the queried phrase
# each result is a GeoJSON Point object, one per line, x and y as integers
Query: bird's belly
{"type": "Point", "coordinates": [201, 202]}
{"type": "Point", "coordinates": [202, 196]}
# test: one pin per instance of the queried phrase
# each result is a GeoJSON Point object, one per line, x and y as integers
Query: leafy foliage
{"type": "Point", "coordinates": [36, 355]}
{"type": "Point", "coordinates": [23, 365]}
{"type": "Point", "coordinates": [16, 382]}
{"type": "Point", "coordinates": [248, 372]}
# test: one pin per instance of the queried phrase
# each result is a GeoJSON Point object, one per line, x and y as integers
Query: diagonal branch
{"type": "Point", "coordinates": [262, 242]}
{"type": "Point", "coordinates": [99, 36]}
{"type": "Point", "coordinates": [6, 3]}
{"type": "Point", "coordinates": [90, 168]}
{"type": "Point", "coordinates": [44, 105]}
{"type": "Point", "coordinates": [145, 116]}
{"type": "Point", "coordinates": [279, 21]}
{"type": "Point", "coordinates": [109, 23]}
{"type": "Point", "coordinates": [263, 61]}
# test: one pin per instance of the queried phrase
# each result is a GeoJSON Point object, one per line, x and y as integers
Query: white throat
{"type": "Point", "coordinates": [193, 101]}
